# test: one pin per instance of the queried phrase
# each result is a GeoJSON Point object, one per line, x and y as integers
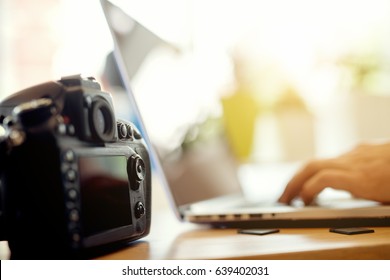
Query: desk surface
{"type": "Point", "coordinates": [170, 239]}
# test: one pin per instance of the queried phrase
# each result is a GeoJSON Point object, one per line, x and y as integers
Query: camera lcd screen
{"type": "Point", "coordinates": [104, 190]}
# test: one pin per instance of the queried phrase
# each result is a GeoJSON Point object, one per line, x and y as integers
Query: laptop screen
{"type": "Point", "coordinates": [191, 153]}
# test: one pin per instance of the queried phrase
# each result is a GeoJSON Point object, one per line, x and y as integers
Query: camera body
{"type": "Point", "coordinates": [75, 181]}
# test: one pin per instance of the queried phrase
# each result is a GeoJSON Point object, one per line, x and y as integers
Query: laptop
{"type": "Point", "coordinates": [203, 182]}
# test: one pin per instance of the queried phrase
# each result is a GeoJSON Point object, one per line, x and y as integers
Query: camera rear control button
{"type": "Point", "coordinates": [71, 175]}
{"type": "Point", "coordinates": [137, 171]}
{"type": "Point", "coordinates": [72, 194]}
{"type": "Point", "coordinates": [74, 215]}
{"type": "Point", "coordinates": [139, 210]}
{"type": "Point", "coordinates": [130, 132]}
{"type": "Point", "coordinates": [122, 130]}
{"type": "Point", "coordinates": [69, 156]}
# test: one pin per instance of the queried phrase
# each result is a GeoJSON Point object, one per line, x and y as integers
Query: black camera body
{"type": "Point", "coordinates": [74, 180]}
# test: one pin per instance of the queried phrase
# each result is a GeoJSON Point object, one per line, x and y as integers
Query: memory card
{"type": "Point", "coordinates": [351, 231]}
{"type": "Point", "coordinates": [256, 231]}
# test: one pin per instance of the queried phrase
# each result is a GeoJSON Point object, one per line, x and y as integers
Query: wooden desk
{"type": "Point", "coordinates": [170, 239]}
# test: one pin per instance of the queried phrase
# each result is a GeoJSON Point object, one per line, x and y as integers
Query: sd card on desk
{"type": "Point", "coordinates": [350, 231]}
{"type": "Point", "coordinates": [255, 231]}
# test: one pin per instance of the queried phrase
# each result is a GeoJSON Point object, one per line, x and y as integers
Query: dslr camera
{"type": "Point", "coordinates": [75, 181]}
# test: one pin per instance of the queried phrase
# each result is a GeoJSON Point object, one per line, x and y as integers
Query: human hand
{"type": "Point", "coordinates": [364, 172]}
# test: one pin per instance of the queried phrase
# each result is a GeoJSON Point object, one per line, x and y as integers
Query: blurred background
{"type": "Point", "coordinates": [307, 78]}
